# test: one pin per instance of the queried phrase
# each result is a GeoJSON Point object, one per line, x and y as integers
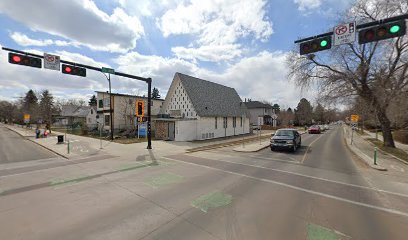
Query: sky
{"type": "Point", "coordinates": [238, 43]}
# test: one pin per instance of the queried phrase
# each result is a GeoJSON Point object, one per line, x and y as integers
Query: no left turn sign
{"type": "Point", "coordinates": [344, 33]}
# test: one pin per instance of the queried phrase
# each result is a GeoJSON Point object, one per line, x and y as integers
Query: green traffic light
{"type": "Point", "coordinates": [323, 43]}
{"type": "Point", "coordinates": [395, 29]}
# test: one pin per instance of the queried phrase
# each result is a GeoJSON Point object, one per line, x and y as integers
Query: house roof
{"type": "Point", "coordinates": [68, 110]}
{"type": "Point", "coordinates": [212, 99]}
{"type": "Point", "coordinates": [128, 95]}
{"type": "Point", "coordinates": [257, 104]}
{"type": "Point", "coordinates": [82, 111]}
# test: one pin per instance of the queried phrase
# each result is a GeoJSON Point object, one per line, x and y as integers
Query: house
{"type": "Point", "coordinates": [123, 110]}
{"type": "Point", "coordinates": [196, 109]}
{"type": "Point", "coordinates": [76, 115]}
{"type": "Point", "coordinates": [260, 113]}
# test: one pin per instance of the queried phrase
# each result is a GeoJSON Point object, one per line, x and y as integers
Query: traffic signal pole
{"type": "Point", "coordinates": [149, 108]}
{"type": "Point", "coordinates": [146, 80]}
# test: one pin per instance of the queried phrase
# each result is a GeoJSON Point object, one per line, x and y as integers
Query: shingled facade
{"type": "Point", "coordinates": [197, 109]}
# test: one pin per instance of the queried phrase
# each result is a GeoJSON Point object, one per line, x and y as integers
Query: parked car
{"type": "Point", "coordinates": [314, 129]}
{"type": "Point", "coordinates": [326, 127]}
{"type": "Point", "coordinates": [286, 138]}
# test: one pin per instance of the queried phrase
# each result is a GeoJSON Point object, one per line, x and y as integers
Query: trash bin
{"type": "Point", "coordinates": [60, 139]}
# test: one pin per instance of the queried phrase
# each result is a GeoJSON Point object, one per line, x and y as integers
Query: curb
{"type": "Point", "coordinates": [364, 157]}
{"type": "Point", "coordinates": [49, 149]}
{"type": "Point", "coordinates": [385, 153]}
{"type": "Point", "coordinates": [256, 150]}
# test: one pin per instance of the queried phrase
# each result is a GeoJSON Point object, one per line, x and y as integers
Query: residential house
{"type": "Point", "coordinates": [196, 109]}
{"type": "Point", "coordinates": [123, 111]}
{"type": "Point", "coordinates": [260, 113]}
{"type": "Point", "coordinates": [76, 115]}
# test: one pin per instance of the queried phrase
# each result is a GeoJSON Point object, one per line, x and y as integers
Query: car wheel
{"type": "Point", "coordinates": [272, 149]}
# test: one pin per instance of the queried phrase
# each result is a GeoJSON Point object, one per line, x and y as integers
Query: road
{"type": "Point", "coordinates": [319, 192]}
{"type": "Point", "coordinates": [14, 148]}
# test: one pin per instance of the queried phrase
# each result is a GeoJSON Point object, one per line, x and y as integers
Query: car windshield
{"type": "Point", "coordinates": [284, 133]}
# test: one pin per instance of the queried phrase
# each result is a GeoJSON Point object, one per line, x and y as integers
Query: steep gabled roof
{"type": "Point", "coordinates": [212, 99]}
{"type": "Point", "coordinates": [257, 104]}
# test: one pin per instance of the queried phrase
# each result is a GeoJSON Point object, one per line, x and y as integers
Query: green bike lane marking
{"type": "Point", "coordinates": [316, 232]}
{"type": "Point", "coordinates": [212, 200]}
{"type": "Point", "coordinates": [163, 180]}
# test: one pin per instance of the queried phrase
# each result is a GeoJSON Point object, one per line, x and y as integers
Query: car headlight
{"type": "Point", "coordinates": [289, 141]}
{"type": "Point", "coordinates": [272, 141]}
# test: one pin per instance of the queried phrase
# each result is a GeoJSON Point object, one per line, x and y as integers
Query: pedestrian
{"type": "Point", "coordinates": [37, 132]}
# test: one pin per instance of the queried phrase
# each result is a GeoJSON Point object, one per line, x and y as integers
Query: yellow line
{"type": "Point", "coordinates": [307, 150]}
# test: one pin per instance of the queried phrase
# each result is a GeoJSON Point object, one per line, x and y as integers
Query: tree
{"type": "Point", "coordinates": [155, 93]}
{"type": "Point", "coordinates": [30, 105]}
{"type": "Point", "coordinates": [303, 112]}
{"type": "Point", "coordinates": [276, 107]}
{"type": "Point", "coordinates": [286, 117]}
{"type": "Point", "coordinates": [93, 101]}
{"type": "Point", "coordinates": [377, 72]}
{"type": "Point", "coordinates": [319, 113]}
{"type": "Point", "coordinates": [46, 106]}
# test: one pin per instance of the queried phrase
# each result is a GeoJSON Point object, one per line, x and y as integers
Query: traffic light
{"type": "Point", "coordinates": [140, 108]}
{"type": "Point", "coordinates": [73, 70]}
{"type": "Point", "coordinates": [24, 60]}
{"type": "Point", "coordinates": [315, 45]}
{"type": "Point", "coordinates": [381, 32]}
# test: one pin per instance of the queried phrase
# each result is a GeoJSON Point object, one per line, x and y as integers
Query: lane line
{"type": "Point", "coordinates": [308, 147]}
{"type": "Point", "coordinates": [313, 177]}
{"type": "Point", "coordinates": [389, 210]}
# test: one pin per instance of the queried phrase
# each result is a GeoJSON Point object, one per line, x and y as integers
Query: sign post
{"type": "Point", "coordinates": [354, 123]}
{"type": "Point", "coordinates": [344, 33]}
{"type": "Point", "coordinates": [27, 118]}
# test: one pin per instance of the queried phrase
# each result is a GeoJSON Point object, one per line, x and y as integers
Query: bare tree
{"type": "Point", "coordinates": [377, 72]}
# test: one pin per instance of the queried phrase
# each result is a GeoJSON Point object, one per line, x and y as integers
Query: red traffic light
{"type": "Point", "coordinates": [25, 60]}
{"type": "Point", "coordinates": [68, 69]}
{"type": "Point", "coordinates": [73, 70]}
{"type": "Point", "coordinates": [16, 58]}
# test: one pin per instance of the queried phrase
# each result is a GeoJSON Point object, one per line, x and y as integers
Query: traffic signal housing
{"type": "Point", "coordinates": [73, 70]}
{"type": "Point", "coordinates": [381, 32]}
{"type": "Point", "coordinates": [25, 60]}
{"type": "Point", "coordinates": [315, 45]}
{"type": "Point", "coordinates": [140, 108]}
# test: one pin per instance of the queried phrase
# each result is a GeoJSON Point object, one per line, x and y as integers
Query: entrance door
{"type": "Point", "coordinates": [171, 131]}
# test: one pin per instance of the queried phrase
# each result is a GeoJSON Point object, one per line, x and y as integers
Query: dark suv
{"type": "Point", "coordinates": [286, 138]}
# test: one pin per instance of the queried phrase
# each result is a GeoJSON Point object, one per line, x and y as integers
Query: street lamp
{"type": "Point", "coordinates": [110, 104]}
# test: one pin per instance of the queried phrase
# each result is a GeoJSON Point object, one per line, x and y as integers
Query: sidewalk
{"type": "Point", "coordinates": [81, 146]}
{"type": "Point", "coordinates": [399, 145]}
{"type": "Point", "coordinates": [365, 150]}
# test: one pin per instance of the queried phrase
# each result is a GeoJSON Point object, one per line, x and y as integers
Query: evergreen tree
{"type": "Point", "coordinates": [30, 104]}
{"type": "Point", "coordinates": [155, 93]}
{"type": "Point", "coordinates": [303, 112]}
{"type": "Point", "coordinates": [46, 106]}
{"type": "Point", "coordinates": [92, 102]}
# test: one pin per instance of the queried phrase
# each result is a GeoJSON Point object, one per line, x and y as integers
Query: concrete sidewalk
{"type": "Point", "coordinates": [365, 151]}
{"type": "Point", "coordinates": [399, 145]}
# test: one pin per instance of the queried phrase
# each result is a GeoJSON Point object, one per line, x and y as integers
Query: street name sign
{"type": "Point", "coordinates": [344, 33]}
{"type": "Point", "coordinates": [51, 62]}
{"type": "Point", "coordinates": [108, 70]}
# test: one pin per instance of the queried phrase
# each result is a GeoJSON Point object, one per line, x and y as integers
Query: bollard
{"type": "Point", "coordinates": [375, 155]}
{"type": "Point", "coordinates": [68, 146]}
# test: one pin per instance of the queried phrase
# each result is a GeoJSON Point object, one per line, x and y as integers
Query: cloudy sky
{"type": "Point", "coordinates": [238, 43]}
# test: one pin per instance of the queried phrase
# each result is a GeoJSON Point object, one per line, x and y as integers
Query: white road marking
{"type": "Point", "coordinates": [310, 191]}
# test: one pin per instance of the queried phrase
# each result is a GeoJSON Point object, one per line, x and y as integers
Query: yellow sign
{"type": "Point", "coordinates": [27, 118]}
{"type": "Point", "coordinates": [354, 118]}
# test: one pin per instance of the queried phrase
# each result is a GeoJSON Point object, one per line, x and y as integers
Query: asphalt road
{"type": "Point", "coordinates": [319, 192]}
{"type": "Point", "coordinates": [14, 148]}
